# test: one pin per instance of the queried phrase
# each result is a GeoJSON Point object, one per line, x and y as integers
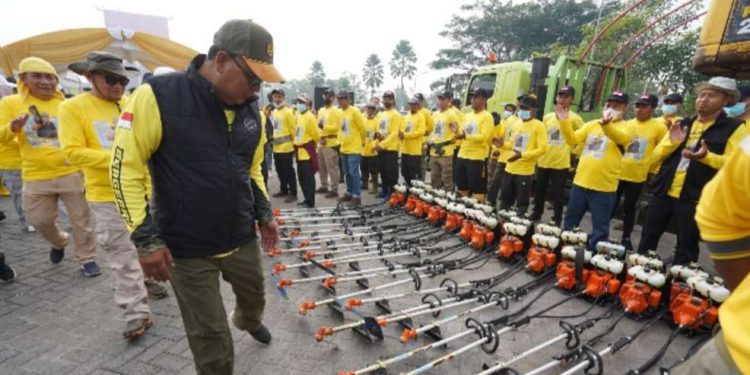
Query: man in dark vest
{"type": "Point", "coordinates": [201, 135]}
{"type": "Point", "coordinates": [694, 150]}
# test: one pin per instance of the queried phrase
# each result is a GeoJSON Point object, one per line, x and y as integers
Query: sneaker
{"type": "Point", "coordinates": [155, 290]}
{"type": "Point", "coordinates": [7, 273]}
{"type": "Point", "coordinates": [30, 229]}
{"type": "Point", "coordinates": [290, 199]}
{"type": "Point", "coordinates": [2, 216]}
{"type": "Point", "coordinates": [136, 328]}
{"type": "Point", "coordinates": [356, 202]}
{"type": "Point", "coordinates": [321, 190]}
{"type": "Point", "coordinates": [261, 334]}
{"type": "Point", "coordinates": [346, 198]}
{"type": "Point", "coordinates": [279, 195]}
{"type": "Point", "coordinates": [382, 194]}
{"type": "Point", "coordinates": [332, 194]}
{"type": "Point", "coordinates": [91, 269]}
{"type": "Point", "coordinates": [56, 255]}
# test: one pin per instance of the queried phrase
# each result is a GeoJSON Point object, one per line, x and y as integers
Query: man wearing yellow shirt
{"type": "Point", "coordinates": [369, 166]}
{"type": "Point", "coordinates": [429, 127]}
{"type": "Point", "coordinates": [200, 133]}
{"type": "Point", "coordinates": [555, 163]}
{"type": "Point", "coordinates": [595, 183]}
{"type": "Point", "coordinates": [476, 136]}
{"type": "Point", "coordinates": [30, 118]}
{"type": "Point", "coordinates": [353, 131]}
{"type": "Point", "coordinates": [695, 149]}
{"type": "Point", "coordinates": [636, 161]}
{"type": "Point", "coordinates": [441, 143]}
{"type": "Point", "coordinates": [497, 154]}
{"type": "Point", "coordinates": [284, 127]}
{"type": "Point", "coordinates": [671, 108]}
{"type": "Point", "coordinates": [741, 109]}
{"type": "Point", "coordinates": [528, 141]}
{"type": "Point", "coordinates": [306, 138]}
{"type": "Point", "coordinates": [723, 216]}
{"type": "Point", "coordinates": [412, 137]}
{"type": "Point", "coordinates": [388, 144]}
{"type": "Point", "coordinates": [328, 152]}
{"type": "Point", "coordinates": [86, 134]}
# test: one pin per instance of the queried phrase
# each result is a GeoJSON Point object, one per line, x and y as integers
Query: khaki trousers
{"type": "Point", "coordinates": [441, 172]}
{"type": "Point", "coordinates": [328, 165]}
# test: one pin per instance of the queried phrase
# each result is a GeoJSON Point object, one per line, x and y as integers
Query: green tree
{"type": "Point", "coordinates": [372, 73]}
{"type": "Point", "coordinates": [317, 75]}
{"type": "Point", "coordinates": [403, 62]}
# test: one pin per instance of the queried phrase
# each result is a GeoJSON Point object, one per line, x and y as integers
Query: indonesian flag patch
{"type": "Point", "coordinates": [125, 121]}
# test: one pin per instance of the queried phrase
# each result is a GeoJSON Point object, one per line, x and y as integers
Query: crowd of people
{"type": "Point", "coordinates": [171, 181]}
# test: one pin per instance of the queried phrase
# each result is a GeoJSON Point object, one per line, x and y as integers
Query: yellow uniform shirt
{"type": "Point", "coordinates": [558, 151]}
{"type": "Point", "coordinates": [443, 132]}
{"type": "Point", "coordinates": [502, 130]}
{"type": "Point", "coordinates": [284, 128]}
{"type": "Point", "coordinates": [138, 141]}
{"type": "Point", "coordinates": [389, 126]}
{"type": "Point", "coordinates": [715, 161]}
{"type": "Point", "coordinates": [461, 121]}
{"type": "Point", "coordinates": [306, 131]}
{"type": "Point", "coordinates": [723, 216]}
{"type": "Point", "coordinates": [530, 138]}
{"type": "Point", "coordinates": [87, 130]}
{"type": "Point", "coordinates": [10, 155]}
{"type": "Point", "coordinates": [413, 128]}
{"type": "Point", "coordinates": [429, 123]}
{"type": "Point", "coordinates": [352, 131]}
{"type": "Point", "coordinates": [41, 157]}
{"type": "Point", "coordinates": [328, 123]}
{"type": "Point", "coordinates": [636, 163]}
{"type": "Point", "coordinates": [371, 127]}
{"type": "Point", "coordinates": [478, 129]}
{"type": "Point", "coordinates": [600, 165]}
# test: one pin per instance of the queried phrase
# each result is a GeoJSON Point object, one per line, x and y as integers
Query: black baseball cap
{"type": "Point", "coordinates": [343, 94]}
{"type": "Point", "coordinates": [480, 92]}
{"type": "Point", "coordinates": [568, 90]}
{"type": "Point", "coordinates": [674, 97]}
{"type": "Point", "coordinates": [648, 99]}
{"type": "Point", "coordinates": [278, 91]}
{"type": "Point", "coordinates": [253, 43]}
{"type": "Point", "coordinates": [447, 94]}
{"type": "Point", "coordinates": [389, 94]}
{"type": "Point", "coordinates": [329, 92]}
{"type": "Point", "coordinates": [419, 96]}
{"type": "Point", "coordinates": [618, 96]}
{"type": "Point", "coordinates": [528, 101]}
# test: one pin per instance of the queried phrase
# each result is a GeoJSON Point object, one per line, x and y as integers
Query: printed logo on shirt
{"type": "Point", "coordinates": [409, 127]}
{"type": "Point", "coordinates": [125, 121]}
{"type": "Point", "coordinates": [276, 122]}
{"type": "Point", "coordinates": [685, 163]}
{"type": "Point", "coordinates": [345, 128]}
{"type": "Point", "coordinates": [300, 134]}
{"type": "Point", "coordinates": [439, 130]}
{"type": "Point", "coordinates": [596, 145]}
{"type": "Point", "coordinates": [383, 126]}
{"type": "Point", "coordinates": [370, 134]}
{"type": "Point", "coordinates": [471, 128]}
{"type": "Point", "coordinates": [636, 149]}
{"type": "Point", "coordinates": [521, 142]}
{"type": "Point", "coordinates": [41, 130]}
{"type": "Point", "coordinates": [105, 133]}
{"type": "Point", "coordinates": [554, 137]}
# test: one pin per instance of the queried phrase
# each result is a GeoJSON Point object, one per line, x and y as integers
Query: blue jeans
{"type": "Point", "coordinates": [600, 205]}
{"type": "Point", "coordinates": [351, 171]}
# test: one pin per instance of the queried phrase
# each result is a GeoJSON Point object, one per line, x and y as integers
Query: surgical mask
{"type": "Point", "coordinates": [669, 109]}
{"type": "Point", "coordinates": [301, 107]}
{"type": "Point", "coordinates": [613, 113]}
{"type": "Point", "coordinates": [524, 114]}
{"type": "Point", "coordinates": [736, 109]}
{"type": "Point", "coordinates": [507, 114]}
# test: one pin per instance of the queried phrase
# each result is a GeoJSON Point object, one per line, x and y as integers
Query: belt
{"type": "Point", "coordinates": [284, 139]}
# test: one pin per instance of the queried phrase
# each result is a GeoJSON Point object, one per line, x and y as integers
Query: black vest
{"type": "Point", "coordinates": [698, 174]}
{"type": "Point", "coordinates": [201, 170]}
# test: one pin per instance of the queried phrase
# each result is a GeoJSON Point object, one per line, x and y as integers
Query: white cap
{"type": "Point", "coordinates": [723, 84]}
{"type": "Point", "coordinates": [163, 70]}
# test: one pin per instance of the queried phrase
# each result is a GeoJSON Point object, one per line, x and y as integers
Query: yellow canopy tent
{"type": "Point", "coordinates": [63, 47]}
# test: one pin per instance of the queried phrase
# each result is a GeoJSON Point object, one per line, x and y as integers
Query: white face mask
{"type": "Point", "coordinates": [507, 114]}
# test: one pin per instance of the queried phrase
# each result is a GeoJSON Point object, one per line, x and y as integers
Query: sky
{"type": "Point", "coordinates": [341, 34]}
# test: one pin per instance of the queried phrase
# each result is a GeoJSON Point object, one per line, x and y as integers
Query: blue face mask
{"type": "Point", "coordinates": [524, 114]}
{"type": "Point", "coordinates": [736, 109]}
{"type": "Point", "coordinates": [301, 108]}
{"type": "Point", "coordinates": [669, 109]}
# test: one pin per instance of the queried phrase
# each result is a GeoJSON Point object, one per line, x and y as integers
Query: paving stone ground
{"type": "Point", "coordinates": [54, 321]}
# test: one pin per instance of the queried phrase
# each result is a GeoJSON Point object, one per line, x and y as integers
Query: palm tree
{"type": "Point", "coordinates": [403, 62]}
{"type": "Point", "coordinates": [373, 73]}
{"type": "Point", "coordinates": [317, 75]}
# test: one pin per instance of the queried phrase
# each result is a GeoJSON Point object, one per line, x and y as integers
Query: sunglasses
{"type": "Point", "coordinates": [112, 80]}
{"type": "Point", "coordinates": [251, 78]}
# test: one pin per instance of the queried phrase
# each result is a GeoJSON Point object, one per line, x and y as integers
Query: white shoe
{"type": "Point", "coordinates": [30, 229]}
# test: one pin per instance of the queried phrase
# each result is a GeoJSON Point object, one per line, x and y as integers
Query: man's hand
{"type": "Point", "coordinates": [461, 135]}
{"type": "Point", "coordinates": [269, 234]}
{"type": "Point", "coordinates": [677, 133]}
{"type": "Point", "coordinates": [18, 123]}
{"type": "Point", "coordinates": [497, 142]}
{"type": "Point", "coordinates": [401, 135]}
{"type": "Point", "coordinates": [495, 154]}
{"type": "Point", "coordinates": [377, 148]}
{"type": "Point", "coordinates": [516, 156]}
{"type": "Point", "coordinates": [158, 264]}
{"type": "Point", "coordinates": [561, 113]}
{"type": "Point", "coordinates": [322, 141]}
{"type": "Point", "coordinates": [700, 154]}
{"type": "Point", "coordinates": [453, 127]}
